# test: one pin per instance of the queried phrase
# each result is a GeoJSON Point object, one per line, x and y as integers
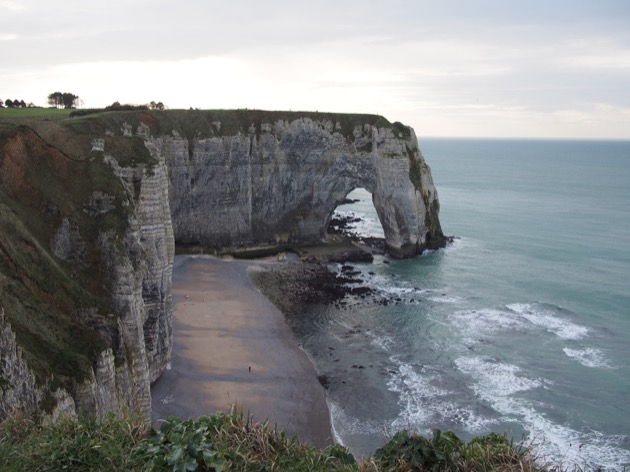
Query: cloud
{"type": "Point", "coordinates": [12, 6]}
{"type": "Point", "coordinates": [609, 60]}
{"type": "Point", "coordinates": [453, 67]}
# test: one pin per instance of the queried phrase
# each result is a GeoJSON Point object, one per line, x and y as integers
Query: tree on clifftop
{"type": "Point", "coordinates": [63, 100]}
{"type": "Point", "coordinates": [156, 106]}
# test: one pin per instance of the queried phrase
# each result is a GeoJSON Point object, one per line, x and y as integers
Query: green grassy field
{"type": "Point", "coordinates": [46, 114]}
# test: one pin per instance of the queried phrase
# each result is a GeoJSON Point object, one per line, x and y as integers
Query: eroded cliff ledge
{"type": "Point", "coordinates": [91, 208]}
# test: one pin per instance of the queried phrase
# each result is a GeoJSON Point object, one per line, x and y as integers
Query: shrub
{"type": "Point", "coordinates": [233, 442]}
{"type": "Point", "coordinates": [447, 452]}
{"type": "Point", "coordinates": [180, 446]}
{"type": "Point", "coordinates": [71, 445]}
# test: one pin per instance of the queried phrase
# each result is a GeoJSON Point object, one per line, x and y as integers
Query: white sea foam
{"type": "Point", "coordinates": [495, 379]}
{"type": "Point", "coordinates": [387, 284]}
{"type": "Point", "coordinates": [344, 424]}
{"type": "Point", "coordinates": [475, 324]}
{"type": "Point", "coordinates": [590, 450]}
{"type": "Point", "coordinates": [414, 391]}
{"type": "Point", "coordinates": [443, 298]}
{"type": "Point", "coordinates": [454, 245]}
{"type": "Point", "coordinates": [562, 328]}
{"type": "Point", "coordinates": [497, 383]}
{"type": "Point", "coordinates": [424, 404]}
{"type": "Point", "coordinates": [395, 290]}
{"type": "Point", "coordinates": [384, 342]}
{"type": "Point", "coordinates": [588, 357]}
{"type": "Point", "coordinates": [478, 324]}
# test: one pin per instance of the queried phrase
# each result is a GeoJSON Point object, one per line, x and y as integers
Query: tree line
{"type": "Point", "coordinates": [70, 100]}
{"type": "Point", "coordinates": [55, 99]}
{"type": "Point", "coordinates": [15, 104]}
{"type": "Point", "coordinates": [63, 100]}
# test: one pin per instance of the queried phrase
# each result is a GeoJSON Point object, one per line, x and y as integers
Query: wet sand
{"type": "Point", "coordinates": [231, 345]}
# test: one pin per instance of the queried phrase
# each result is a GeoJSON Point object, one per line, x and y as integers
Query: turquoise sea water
{"type": "Point", "coordinates": [522, 326]}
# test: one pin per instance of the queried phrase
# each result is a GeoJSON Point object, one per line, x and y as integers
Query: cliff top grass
{"type": "Point", "coordinates": [191, 124]}
{"type": "Point", "coordinates": [84, 125]}
{"type": "Point", "coordinates": [37, 113]}
{"type": "Point", "coordinates": [235, 442]}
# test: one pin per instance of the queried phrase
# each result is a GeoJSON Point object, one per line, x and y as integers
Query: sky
{"type": "Point", "coordinates": [461, 68]}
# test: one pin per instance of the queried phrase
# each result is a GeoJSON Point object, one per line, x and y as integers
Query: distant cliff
{"type": "Point", "coordinates": [90, 209]}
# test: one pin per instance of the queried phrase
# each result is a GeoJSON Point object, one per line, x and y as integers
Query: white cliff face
{"type": "Point", "coordinates": [19, 394]}
{"type": "Point", "coordinates": [139, 277]}
{"type": "Point", "coordinates": [281, 182]}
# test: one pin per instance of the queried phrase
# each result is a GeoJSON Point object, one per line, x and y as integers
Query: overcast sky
{"type": "Point", "coordinates": [497, 68]}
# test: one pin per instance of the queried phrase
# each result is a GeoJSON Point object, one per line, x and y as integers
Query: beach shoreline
{"type": "Point", "coordinates": [233, 347]}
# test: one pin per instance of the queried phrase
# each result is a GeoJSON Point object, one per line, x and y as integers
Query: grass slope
{"type": "Point", "coordinates": [47, 176]}
{"type": "Point", "coordinates": [233, 442]}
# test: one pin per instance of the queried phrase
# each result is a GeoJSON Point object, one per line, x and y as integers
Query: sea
{"type": "Point", "coordinates": [521, 326]}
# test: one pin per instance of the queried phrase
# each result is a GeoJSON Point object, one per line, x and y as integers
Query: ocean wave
{"type": "Point", "coordinates": [397, 290]}
{"type": "Point", "coordinates": [497, 383]}
{"type": "Point", "coordinates": [588, 450]}
{"type": "Point", "coordinates": [477, 324]}
{"type": "Point", "coordinates": [388, 285]}
{"type": "Point", "coordinates": [345, 425]}
{"type": "Point", "coordinates": [588, 357]}
{"type": "Point", "coordinates": [444, 298]}
{"type": "Point", "coordinates": [424, 404]}
{"type": "Point", "coordinates": [495, 379]}
{"type": "Point", "coordinates": [562, 328]}
{"type": "Point", "coordinates": [483, 322]}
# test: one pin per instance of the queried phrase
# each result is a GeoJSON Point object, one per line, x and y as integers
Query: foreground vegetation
{"type": "Point", "coordinates": [233, 441]}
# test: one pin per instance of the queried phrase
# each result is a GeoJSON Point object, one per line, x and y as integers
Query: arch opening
{"type": "Point", "coordinates": [357, 219]}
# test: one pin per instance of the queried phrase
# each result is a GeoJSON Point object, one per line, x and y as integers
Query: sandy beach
{"type": "Point", "coordinates": [232, 345]}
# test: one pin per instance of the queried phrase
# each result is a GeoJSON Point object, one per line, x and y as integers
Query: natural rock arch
{"type": "Point", "coordinates": [280, 183]}
{"type": "Point", "coordinates": [351, 198]}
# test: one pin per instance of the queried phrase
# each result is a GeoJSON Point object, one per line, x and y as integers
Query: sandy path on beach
{"type": "Point", "coordinates": [232, 345]}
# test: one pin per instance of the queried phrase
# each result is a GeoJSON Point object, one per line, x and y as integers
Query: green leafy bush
{"type": "Point", "coordinates": [181, 446]}
{"type": "Point", "coordinates": [447, 452]}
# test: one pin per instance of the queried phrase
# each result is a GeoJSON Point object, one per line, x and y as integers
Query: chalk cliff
{"type": "Point", "coordinates": [279, 182]}
{"type": "Point", "coordinates": [90, 210]}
